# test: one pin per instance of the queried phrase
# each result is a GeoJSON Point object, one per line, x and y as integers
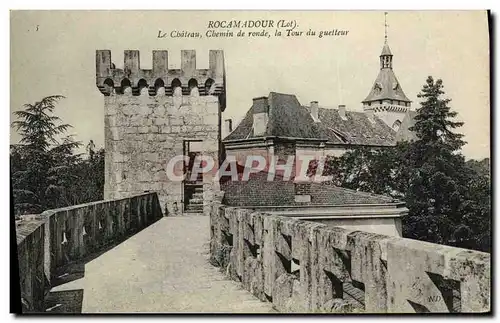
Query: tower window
{"type": "Point", "coordinates": [396, 125]}
{"type": "Point", "coordinates": [381, 101]}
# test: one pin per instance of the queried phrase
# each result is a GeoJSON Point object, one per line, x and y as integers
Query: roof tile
{"type": "Point", "coordinates": [287, 118]}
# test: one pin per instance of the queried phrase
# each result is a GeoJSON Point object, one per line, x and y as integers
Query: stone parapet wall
{"type": "Point", "coordinates": [302, 266]}
{"type": "Point", "coordinates": [30, 252]}
{"type": "Point", "coordinates": [209, 81]}
{"type": "Point", "coordinates": [63, 236]}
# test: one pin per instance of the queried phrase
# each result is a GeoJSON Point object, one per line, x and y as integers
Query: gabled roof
{"type": "Point", "coordinates": [287, 118]}
{"type": "Point", "coordinates": [386, 86]}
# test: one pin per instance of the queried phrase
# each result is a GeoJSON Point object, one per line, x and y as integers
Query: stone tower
{"type": "Point", "coordinates": [152, 116]}
{"type": "Point", "coordinates": [386, 98]}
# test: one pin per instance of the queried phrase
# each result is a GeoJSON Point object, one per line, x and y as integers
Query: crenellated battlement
{"type": "Point", "coordinates": [110, 79]}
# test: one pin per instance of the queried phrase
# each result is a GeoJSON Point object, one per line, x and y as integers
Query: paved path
{"type": "Point", "coordinates": [163, 268]}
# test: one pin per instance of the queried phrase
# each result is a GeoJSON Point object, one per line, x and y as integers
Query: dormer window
{"type": "Point", "coordinates": [396, 125]}
{"type": "Point", "coordinates": [339, 135]}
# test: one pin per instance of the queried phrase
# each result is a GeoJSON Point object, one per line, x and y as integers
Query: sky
{"type": "Point", "coordinates": [53, 52]}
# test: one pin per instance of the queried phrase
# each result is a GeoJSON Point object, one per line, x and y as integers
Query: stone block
{"type": "Point", "coordinates": [160, 111]}
{"type": "Point", "coordinates": [472, 270]}
{"type": "Point", "coordinates": [144, 110]}
{"type": "Point", "coordinates": [211, 119]}
{"type": "Point", "coordinates": [249, 231]}
{"type": "Point", "coordinates": [143, 129]}
{"type": "Point", "coordinates": [273, 265]}
{"type": "Point", "coordinates": [410, 288]}
{"type": "Point", "coordinates": [282, 292]}
{"type": "Point", "coordinates": [174, 120]}
{"type": "Point", "coordinates": [258, 226]}
{"type": "Point", "coordinates": [160, 121]}
{"type": "Point", "coordinates": [253, 278]}
{"type": "Point", "coordinates": [129, 109]}
{"type": "Point", "coordinates": [165, 129]}
{"type": "Point", "coordinates": [115, 133]}
{"type": "Point", "coordinates": [110, 109]}
{"type": "Point", "coordinates": [368, 268]}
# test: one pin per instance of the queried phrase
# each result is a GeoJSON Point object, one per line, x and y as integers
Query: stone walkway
{"type": "Point", "coordinates": [163, 268]}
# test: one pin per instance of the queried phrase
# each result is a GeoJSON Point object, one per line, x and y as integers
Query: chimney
{"type": "Point", "coordinates": [260, 115]}
{"type": "Point", "coordinates": [342, 111]}
{"type": "Point", "coordinates": [315, 111]}
{"type": "Point", "coordinates": [228, 126]}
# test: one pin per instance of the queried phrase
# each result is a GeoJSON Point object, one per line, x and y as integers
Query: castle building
{"type": "Point", "coordinates": [280, 120]}
{"type": "Point", "coordinates": [278, 126]}
{"type": "Point", "coordinates": [153, 116]}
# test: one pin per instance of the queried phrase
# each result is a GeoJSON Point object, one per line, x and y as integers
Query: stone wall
{"type": "Point", "coordinates": [59, 237]}
{"type": "Point", "coordinates": [30, 252]}
{"type": "Point", "coordinates": [149, 117]}
{"type": "Point", "coordinates": [302, 266]}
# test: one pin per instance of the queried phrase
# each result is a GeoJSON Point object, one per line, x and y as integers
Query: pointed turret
{"type": "Point", "coordinates": [386, 86]}
{"type": "Point", "coordinates": [386, 98]}
{"type": "Point", "coordinates": [386, 51]}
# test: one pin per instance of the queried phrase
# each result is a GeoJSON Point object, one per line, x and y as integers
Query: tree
{"type": "Point", "coordinates": [38, 155]}
{"type": "Point", "coordinates": [448, 199]}
{"type": "Point", "coordinates": [438, 180]}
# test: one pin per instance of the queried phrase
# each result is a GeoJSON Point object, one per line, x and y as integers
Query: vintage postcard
{"type": "Point", "coordinates": [250, 162]}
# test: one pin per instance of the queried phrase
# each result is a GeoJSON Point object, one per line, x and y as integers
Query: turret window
{"type": "Point", "coordinates": [396, 125]}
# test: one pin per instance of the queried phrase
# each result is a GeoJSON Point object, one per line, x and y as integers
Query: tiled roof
{"type": "Point", "coordinates": [386, 86]}
{"type": "Point", "coordinates": [356, 128]}
{"type": "Point", "coordinates": [323, 193]}
{"type": "Point", "coordinates": [287, 118]}
{"type": "Point", "coordinates": [257, 191]}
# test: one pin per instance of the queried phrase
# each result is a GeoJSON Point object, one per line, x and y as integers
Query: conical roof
{"type": "Point", "coordinates": [386, 51]}
{"type": "Point", "coordinates": [386, 86]}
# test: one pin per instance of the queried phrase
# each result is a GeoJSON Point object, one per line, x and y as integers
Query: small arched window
{"type": "Point", "coordinates": [176, 83]}
{"type": "Point", "coordinates": [208, 85]}
{"type": "Point", "coordinates": [126, 86]}
{"type": "Point", "coordinates": [159, 86]}
{"type": "Point", "coordinates": [142, 87]}
{"type": "Point", "coordinates": [108, 86]}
